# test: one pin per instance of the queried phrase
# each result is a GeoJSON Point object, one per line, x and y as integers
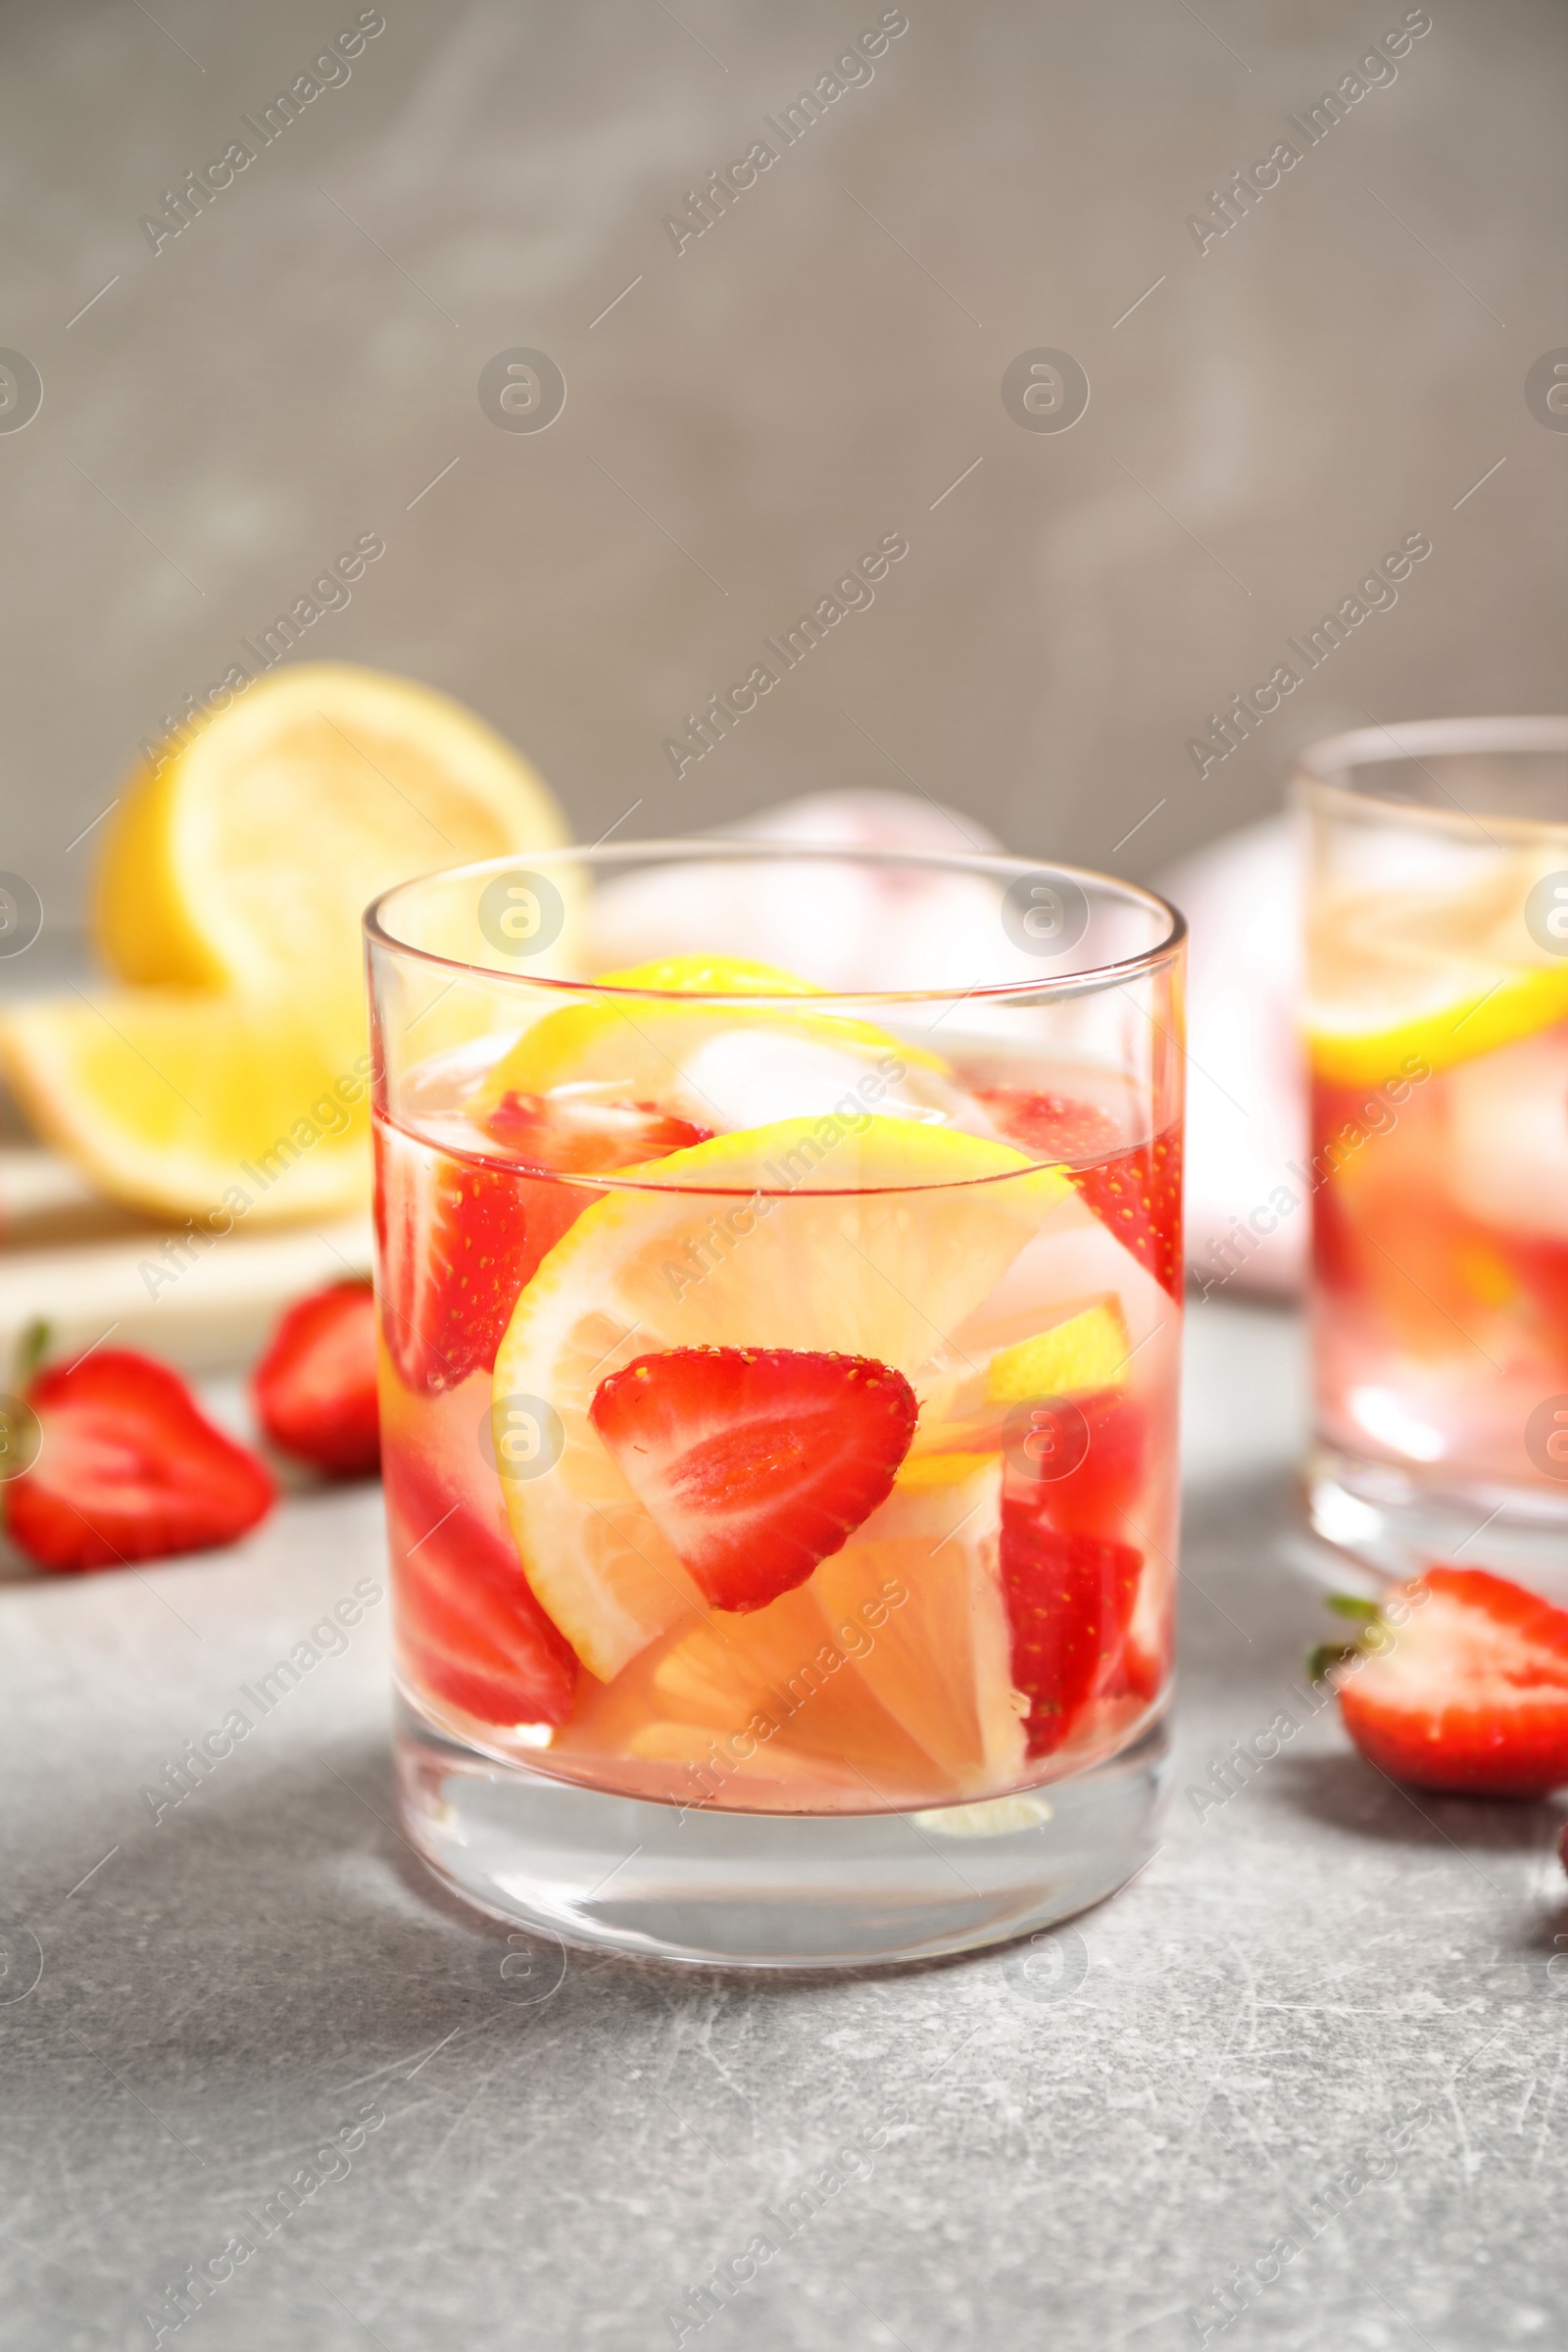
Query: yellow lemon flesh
{"type": "Point", "coordinates": [1086, 1350]}
{"type": "Point", "coordinates": [193, 1106]}
{"type": "Point", "coordinates": [720, 1063]}
{"type": "Point", "coordinates": [878, 1244]}
{"type": "Point", "coordinates": [246, 859]}
{"type": "Point", "coordinates": [1405, 977]}
{"type": "Point", "coordinates": [965, 1410]}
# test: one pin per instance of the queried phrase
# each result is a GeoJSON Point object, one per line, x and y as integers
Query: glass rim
{"type": "Point", "coordinates": [727, 848]}
{"type": "Point", "coordinates": [1322, 773]}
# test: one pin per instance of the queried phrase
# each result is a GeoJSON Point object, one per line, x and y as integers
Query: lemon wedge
{"type": "Point", "coordinates": [886, 1678]}
{"type": "Point", "coordinates": [693, 1056]}
{"type": "Point", "coordinates": [203, 1107]}
{"type": "Point", "coordinates": [1085, 1351]}
{"type": "Point", "coordinates": [246, 859]}
{"type": "Point", "coordinates": [1401, 978]}
{"type": "Point", "coordinates": [875, 1243]}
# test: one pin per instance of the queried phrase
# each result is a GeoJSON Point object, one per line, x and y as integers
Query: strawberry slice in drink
{"type": "Point", "coordinates": [1095, 1497]}
{"type": "Point", "coordinates": [1136, 1192]}
{"type": "Point", "coordinates": [1070, 1600]}
{"type": "Point", "coordinates": [460, 1238]}
{"type": "Point", "coordinates": [756, 1462]}
{"type": "Point", "coordinates": [472, 1630]}
{"type": "Point", "coordinates": [129, 1468]}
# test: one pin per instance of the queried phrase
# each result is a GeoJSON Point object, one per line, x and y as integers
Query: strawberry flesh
{"type": "Point", "coordinates": [1056, 1127]}
{"type": "Point", "coordinates": [578, 1135]}
{"type": "Point", "coordinates": [314, 1389]}
{"type": "Point", "coordinates": [1134, 1193]}
{"type": "Point", "coordinates": [1468, 1694]}
{"type": "Point", "coordinates": [756, 1462]}
{"type": "Point", "coordinates": [1070, 1599]}
{"type": "Point", "coordinates": [1100, 1487]}
{"type": "Point", "coordinates": [129, 1468]}
{"type": "Point", "coordinates": [469, 1625]}
{"type": "Point", "coordinates": [458, 1239]}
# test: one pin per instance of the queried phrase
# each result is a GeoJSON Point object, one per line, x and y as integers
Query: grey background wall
{"type": "Point", "coordinates": [300, 365]}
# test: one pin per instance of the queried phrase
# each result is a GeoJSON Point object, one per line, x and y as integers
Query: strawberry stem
{"type": "Point", "coordinates": [1350, 1604]}
{"type": "Point", "coordinates": [31, 1348]}
{"type": "Point", "coordinates": [1321, 1661]}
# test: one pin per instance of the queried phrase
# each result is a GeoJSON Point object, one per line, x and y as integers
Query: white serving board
{"type": "Point", "coordinates": [96, 1272]}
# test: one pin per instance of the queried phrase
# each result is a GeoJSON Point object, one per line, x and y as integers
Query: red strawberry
{"type": "Point", "coordinates": [756, 1462]}
{"type": "Point", "coordinates": [315, 1388]}
{"type": "Point", "coordinates": [1137, 1194]}
{"type": "Point", "coordinates": [1056, 1126]}
{"type": "Point", "coordinates": [459, 1238]}
{"type": "Point", "coordinates": [580, 1137]}
{"type": "Point", "coordinates": [1103, 1486]}
{"type": "Point", "coordinates": [469, 1624]}
{"type": "Point", "coordinates": [129, 1468]}
{"type": "Point", "coordinates": [1460, 1682]}
{"type": "Point", "coordinates": [1069, 1603]}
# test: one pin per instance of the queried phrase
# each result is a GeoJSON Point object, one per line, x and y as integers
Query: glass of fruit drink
{"type": "Point", "coordinates": [779, 1389]}
{"type": "Point", "coordinates": [1437, 1022]}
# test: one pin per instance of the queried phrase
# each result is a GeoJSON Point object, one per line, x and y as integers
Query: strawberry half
{"type": "Point", "coordinates": [1103, 1486]}
{"type": "Point", "coordinates": [468, 1626]}
{"type": "Point", "coordinates": [1459, 1683]}
{"type": "Point", "coordinates": [129, 1468]}
{"type": "Point", "coordinates": [1135, 1194]}
{"type": "Point", "coordinates": [1057, 1127]}
{"type": "Point", "coordinates": [314, 1389]}
{"type": "Point", "coordinates": [756, 1462]}
{"type": "Point", "coordinates": [1069, 1604]}
{"type": "Point", "coordinates": [459, 1238]}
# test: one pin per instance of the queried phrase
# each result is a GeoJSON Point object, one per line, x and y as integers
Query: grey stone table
{"type": "Point", "coordinates": [1311, 2059]}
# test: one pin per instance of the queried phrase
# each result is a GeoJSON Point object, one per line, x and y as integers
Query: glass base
{"type": "Point", "coordinates": [771, 1891]}
{"type": "Point", "coordinates": [1394, 1523]}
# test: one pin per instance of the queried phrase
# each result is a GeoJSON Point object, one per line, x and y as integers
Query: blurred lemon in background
{"type": "Point", "coordinates": [246, 861]}
{"type": "Point", "coordinates": [175, 1102]}
{"type": "Point", "coordinates": [228, 898]}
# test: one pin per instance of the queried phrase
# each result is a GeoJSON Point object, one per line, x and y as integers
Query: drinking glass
{"type": "Point", "coordinates": [779, 1389]}
{"type": "Point", "coordinates": [1436, 1025]}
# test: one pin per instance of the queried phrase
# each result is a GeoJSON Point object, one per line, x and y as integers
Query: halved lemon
{"type": "Point", "coordinates": [873, 1244]}
{"type": "Point", "coordinates": [245, 859]}
{"type": "Point", "coordinates": [718, 1064]}
{"type": "Point", "coordinates": [1399, 979]}
{"type": "Point", "coordinates": [198, 1105]}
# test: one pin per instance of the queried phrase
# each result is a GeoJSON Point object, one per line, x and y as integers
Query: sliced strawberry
{"type": "Point", "coordinates": [756, 1462]}
{"type": "Point", "coordinates": [467, 1622]}
{"type": "Point", "coordinates": [1057, 1127]}
{"type": "Point", "coordinates": [315, 1388]}
{"type": "Point", "coordinates": [1138, 1674]}
{"type": "Point", "coordinates": [1070, 1600]}
{"type": "Point", "coordinates": [1102, 1486]}
{"type": "Point", "coordinates": [459, 1238]}
{"type": "Point", "coordinates": [129, 1468]}
{"type": "Point", "coordinates": [580, 1137]}
{"type": "Point", "coordinates": [1137, 1193]}
{"type": "Point", "coordinates": [1461, 1684]}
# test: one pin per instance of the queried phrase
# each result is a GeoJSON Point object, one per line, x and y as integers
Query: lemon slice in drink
{"type": "Point", "coordinates": [885, 1680]}
{"type": "Point", "coordinates": [720, 1064]}
{"type": "Point", "coordinates": [198, 1105]}
{"type": "Point", "coordinates": [875, 1243]}
{"type": "Point", "coordinates": [245, 859]}
{"type": "Point", "coordinates": [1399, 979]}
